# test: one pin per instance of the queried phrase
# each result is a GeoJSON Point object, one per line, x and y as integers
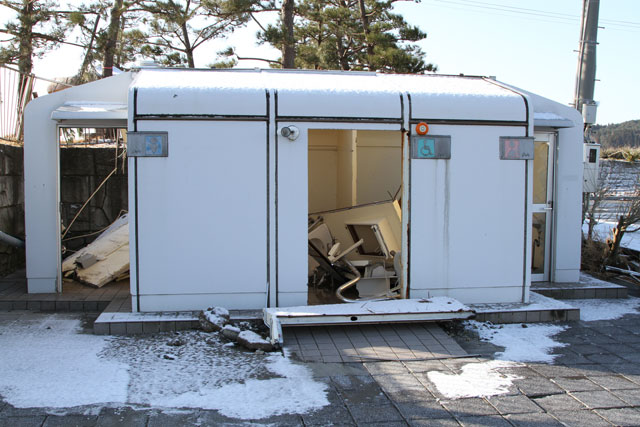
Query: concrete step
{"type": "Point", "coordinates": [587, 288]}
{"type": "Point", "coordinates": [124, 323]}
{"type": "Point", "coordinates": [539, 309]}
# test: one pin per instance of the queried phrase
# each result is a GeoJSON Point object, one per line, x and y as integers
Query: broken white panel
{"type": "Point", "coordinates": [104, 271]}
{"type": "Point", "coordinates": [380, 311]}
{"type": "Point", "coordinates": [104, 259]}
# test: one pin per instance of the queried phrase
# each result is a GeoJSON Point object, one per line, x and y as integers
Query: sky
{"type": "Point", "coordinates": [531, 45]}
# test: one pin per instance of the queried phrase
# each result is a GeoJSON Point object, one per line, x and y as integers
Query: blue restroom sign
{"type": "Point", "coordinates": [153, 145]}
{"type": "Point", "coordinates": [430, 147]}
{"type": "Point", "coordinates": [147, 144]}
{"type": "Point", "coordinates": [426, 148]}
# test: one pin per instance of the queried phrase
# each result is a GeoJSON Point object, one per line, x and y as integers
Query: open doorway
{"type": "Point", "coordinates": [93, 194]}
{"type": "Point", "coordinates": [354, 215]}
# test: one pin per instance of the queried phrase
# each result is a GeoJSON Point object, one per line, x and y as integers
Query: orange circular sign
{"type": "Point", "coordinates": [422, 128]}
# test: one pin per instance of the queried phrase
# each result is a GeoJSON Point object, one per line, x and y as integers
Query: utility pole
{"type": "Point", "coordinates": [586, 75]}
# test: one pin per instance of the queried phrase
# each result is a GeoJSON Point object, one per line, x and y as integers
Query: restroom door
{"type": "Point", "coordinates": [544, 159]}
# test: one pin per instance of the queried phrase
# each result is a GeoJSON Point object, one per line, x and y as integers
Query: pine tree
{"type": "Point", "coordinates": [352, 35]}
{"type": "Point", "coordinates": [178, 28]}
{"type": "Point", "coordinates": [35, 31]}
{"type": "Point", "coordinates": [109, 35]}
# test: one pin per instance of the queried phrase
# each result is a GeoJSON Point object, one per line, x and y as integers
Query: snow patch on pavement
{"type": "Point", "coordinates": [475, 380]}
{"type": "Point", "coordinates": [605, 309]}
{"type": "Point", "coordinates": [533, 343]}
{"type": "Point", "coordinates": [47, 362]}
{"type": "Point", "coordinates": [296, 392]}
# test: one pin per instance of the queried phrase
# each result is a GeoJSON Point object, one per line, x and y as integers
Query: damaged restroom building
{"type": "Point", "coordinates": [268, 188]}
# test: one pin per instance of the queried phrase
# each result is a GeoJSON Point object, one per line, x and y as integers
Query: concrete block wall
{"type": "Point", "coordinates": [82, 170]}
{"type": "Point", "coordinates": [11, 205]}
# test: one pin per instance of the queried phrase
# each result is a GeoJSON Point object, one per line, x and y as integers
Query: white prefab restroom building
{"type": "Point", "coordinates": [230, 170]}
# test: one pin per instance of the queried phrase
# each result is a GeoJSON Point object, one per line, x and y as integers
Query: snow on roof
{"type": "Point", "coordinates": [324, 94]}
{"type": "Point", "coordinates": [551, 120]}
{"type": "Point", "coordinates": [90, 111]}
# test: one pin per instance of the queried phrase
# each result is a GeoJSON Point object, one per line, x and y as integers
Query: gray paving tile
{"type": "Point", "coordinates": [352, 382]}
{"type": "Point", "coordinates": [70, 420]}
{"type": "Point", "coordinates": [632, 397]}
{"type": "Point", "coordinates": [624, 368]}
{"type": "Point", "coordinates": [370, 394]}
{"type": "Point", "coordinates": [551, 371]}
{"type": "Point", "coordinates": [469, 407]}
{"type": "Point", "coordinates": [426, 409]}
{"type": "Point", "coordinates": [591, 370]}
{"type": "Point", "coordinates": [606, 358]}
{"type": "Point", "coordinates": [559, 402]}
{"type": "Point", "coordinates": [385, 424]}
{"type": "Point", "coordinates": [537, 386]}
{"type": "Point", "coordinates": [532, 420]}
{"type": "Point", "coordinates": [614, 382]}
{"type": "Point", "coordinates": [121, 417]}
{"type": "Point", "coordinates": [442, 422]}
{"type": "Point", "coordinates": [487, 420]}
{"type": "Point", "coordinates": [621, 417]}
{"type": "Point", "coordinates": [576, 383]}
{"type": "Point", "coordinates": [599, 399]}
{"type": "Point", "coordinates": [374, 413]}
{"type": "Point", "coordinates": [335, 413]}
{"type": "Point", "coordinates": [518, 404]}
{"type": "Point", "coordinates": [584, 418]}
{"type": "Point", "coordinates": [22, 421]}
{"type": "Point", "coordinates": [421, 366]}
{"type": "Point", "coordinates": [410, 394]}
{"type": "Point", "coordinates": [386, 368]}
{"type": "Point", "coordinates": [397, 381]}
{"type": "Point", "coordinates": [170, 420]}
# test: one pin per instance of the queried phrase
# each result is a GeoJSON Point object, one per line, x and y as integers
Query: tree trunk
{"type": "Point", "coordinates": [87, 55]}
{"type": "Point", "coordinates": [25, 61]}
{"type": "Point", "coordinates": [342, 56]}
{"type": "Point", "coordinates": [614, 244]}
{"type": "Point", "coordinates": [187, 45]}
{"type": "Point", "coordinates": [367, 31]}
{"type": "Point", "coordinates": [288, 45]}
{"type": "Point", "coordinates": [112, 38]}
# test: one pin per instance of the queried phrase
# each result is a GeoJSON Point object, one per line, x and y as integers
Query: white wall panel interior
{"type": "Point", "coordinates": [468, 214]}
{"type": "Point", "coordinates": [202, 223]}
{"type": "Point", "coordinates": [292, 188]}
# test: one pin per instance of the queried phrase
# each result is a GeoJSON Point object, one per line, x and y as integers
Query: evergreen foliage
{"type": "Point", "coordinates": [625, 134]}
{"type": "Point", "coordinates": [352, 35]}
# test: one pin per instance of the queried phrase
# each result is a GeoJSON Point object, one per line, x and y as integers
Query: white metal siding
{"type": "Point", "coordinates": [468, 219]}
{"type": "Point", "coordinates": [202, 223]}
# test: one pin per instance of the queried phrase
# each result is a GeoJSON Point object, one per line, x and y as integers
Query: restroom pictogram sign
{"type": "Point", "coordinates": [430, 147]}
{"type": "Point", "coordinates": [516, 148]}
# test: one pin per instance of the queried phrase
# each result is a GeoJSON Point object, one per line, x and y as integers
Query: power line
{"type": "Point", "coordinates": [556, 17]}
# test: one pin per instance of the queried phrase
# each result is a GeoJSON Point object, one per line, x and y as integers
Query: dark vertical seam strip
{"type": "Point", "coordinates": [268, 197]}
{"type": "Point", "coordinates": [276, 200]}
{"type": "Point", "coordinates": [409, 195]}
{"type": "Point", "coordinates": [526, 212]}
{"type": "Point", "coordinates": [135, 185]}
{"type": "Point", "coordinates": [526, 206]}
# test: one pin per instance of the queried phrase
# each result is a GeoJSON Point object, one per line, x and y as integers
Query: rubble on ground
{"type": "Point", "coordinates": [216, 319]}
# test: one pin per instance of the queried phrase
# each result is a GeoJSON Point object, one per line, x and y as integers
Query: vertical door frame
{"type": "Point", "coordinates": [305, 125]}
{"type": "Point", "coordinates": [550, 211]}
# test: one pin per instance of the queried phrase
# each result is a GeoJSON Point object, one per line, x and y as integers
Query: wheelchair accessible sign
{"type": "Point", "coordinates": [430, 147]}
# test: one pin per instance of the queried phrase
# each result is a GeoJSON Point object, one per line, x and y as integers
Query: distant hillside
{"type": "Point", "coordinates": [625, 134]}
